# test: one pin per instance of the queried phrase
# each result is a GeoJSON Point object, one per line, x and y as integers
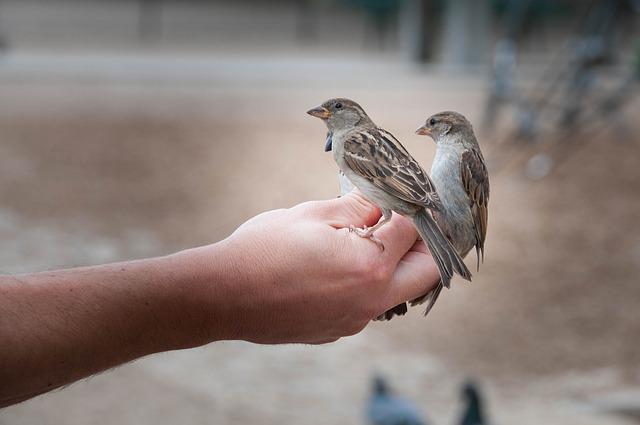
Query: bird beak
{"type": "Point", "coordinates": [424, 131]}
{"type": "Point", "coordinates": [319, 112]}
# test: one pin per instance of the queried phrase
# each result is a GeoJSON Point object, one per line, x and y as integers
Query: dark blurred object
{"type": "Point", "coordinates": [382, 19]}
{"type": "Point", "coordinates": [306, 22]}
{"type": "Point", "coordinates": [418, 18]}
{"type": "Point", "coordinates": [474, 411]}
{"type": "Point", "coordinates": [384, 408]}
{"type": "Point", "coordinates": [4, 44]}
{"type": "Point", "coordinates": [150, 20]}
{"type": "Point", "coordinates": [466, 32]}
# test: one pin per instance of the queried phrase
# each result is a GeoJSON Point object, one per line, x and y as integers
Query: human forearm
{"type": "Point", "coordinates": [57, 327]}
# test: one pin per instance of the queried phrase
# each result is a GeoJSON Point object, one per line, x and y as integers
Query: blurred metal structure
{"type": "Point", "coordinates": [504, 62]}
{"type": "Point", "coordinates": [579, 91]}
{"type": "Point", "coordinates": [416, 18]}
{"type": "Point", "coordinates": [466, 30]}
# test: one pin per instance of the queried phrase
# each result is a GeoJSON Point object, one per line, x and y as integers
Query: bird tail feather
{"type": "Point", "coordinates": [399, 310]}
{"type": "Point", "coordinates": [432, 297]}
{"type": "Point", "coordinates": [445, 255]}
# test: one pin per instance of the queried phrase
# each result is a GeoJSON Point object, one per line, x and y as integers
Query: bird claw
{"type": "Point", "coordinates": [365, 232]}
{"type": "Point", "coordinates": [357, 230]}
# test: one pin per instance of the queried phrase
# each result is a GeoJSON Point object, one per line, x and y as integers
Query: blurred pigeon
{"type": "Point", "coordinates": [473, 414]}
{"type": "Point", "coordinates": [384, 408]}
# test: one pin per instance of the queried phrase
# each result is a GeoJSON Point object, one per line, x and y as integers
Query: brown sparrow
{"type": "Point", "coordinates": [461, 178]}
{"type": "Point", "coordinates": [384, 171]}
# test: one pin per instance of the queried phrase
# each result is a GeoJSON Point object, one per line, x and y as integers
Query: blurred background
{"type": "Point", "coordinates": [131, 129]}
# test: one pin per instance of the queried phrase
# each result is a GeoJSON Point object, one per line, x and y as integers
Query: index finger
{"type": "Point", "coordinates": [353, 209]}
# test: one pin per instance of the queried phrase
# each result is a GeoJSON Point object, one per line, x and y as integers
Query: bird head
{"type": "Point", "coordinates": [473, 413]}
{"type": "Point", "coordinates": [340, 114]}
{"type": "Point", "coordinates": [470, 391]}
{"type": "Point", "coordinates": [380, 386]}
{"type": "Point", "coordinates": [445, 124]}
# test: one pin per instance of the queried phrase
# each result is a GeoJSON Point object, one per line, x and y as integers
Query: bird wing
{"type": "Point", "coordinates": [475, 180]}
{"type": "Point", "coordinates": [380, 158]}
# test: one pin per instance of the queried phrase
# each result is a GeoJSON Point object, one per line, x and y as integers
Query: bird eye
{"type": "Point", "coordinates": [338, 105]}
{"type": "Point", "coordinates": [432, 122]}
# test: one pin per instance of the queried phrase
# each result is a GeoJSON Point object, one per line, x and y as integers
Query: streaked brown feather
{"type": "Point", "coordinates": [380, 158]}
{"type": "Point", "coordinates": [475, 180]}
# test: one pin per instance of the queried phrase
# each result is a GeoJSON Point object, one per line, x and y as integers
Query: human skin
{"type": "Point", "coordinates": [286, 276]}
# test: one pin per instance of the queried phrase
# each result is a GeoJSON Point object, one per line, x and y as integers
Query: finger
{"type": "Point", "coordinates": [398, 236]}
{"type": "Point", "coordinates": [353, 209]}
{"type": "Point", "coordinates": [415, 275]}
{"type": "Point", "coordinates": [420, 246]}
{"type": "Point", "coordinates": [324, 341]}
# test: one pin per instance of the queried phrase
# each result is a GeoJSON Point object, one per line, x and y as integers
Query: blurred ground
{"type": "Point", "coordinates": [106, 157]}
{"type": "Point", "coordinates": [118, 169]}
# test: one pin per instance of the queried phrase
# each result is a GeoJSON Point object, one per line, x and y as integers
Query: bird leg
{"type": "Point", "coordinates": [367, 232]}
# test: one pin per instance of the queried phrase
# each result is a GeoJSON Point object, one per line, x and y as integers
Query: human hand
{"type": "Point", "coordinates": [295, 275]}
{"type": "Point", "coordinates": [299, 275]}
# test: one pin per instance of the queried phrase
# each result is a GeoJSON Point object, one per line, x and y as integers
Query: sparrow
{"type": "Point", "coordinates": [460, 176]}
{"type": "Point", "coordinates": [384, 171]}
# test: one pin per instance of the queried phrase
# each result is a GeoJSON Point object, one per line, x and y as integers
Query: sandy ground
{"type": "Point", "coordinates": [98, 167]}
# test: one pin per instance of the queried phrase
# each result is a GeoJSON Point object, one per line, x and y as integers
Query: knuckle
{"type": "Point", "coordinates": [325, 340]}
{"type": "Point", "coordinates": [372, 270]}
{"type": "Point", "coordinates": [381, 273]}
{"type": "Point", "coordinates": [269, 214]}
{"type": "Point", "coordinates": [310, 209]}
{"type": "Point", "coordinates": [370, 266]}
{"type": "Point", "coordinates": [360, 268]}
{"type": "Point", "coordinates": [355, 327]}
{"type": "Point", "coordinates": [362, 205]}
{"type": "Point", "coordinates": [371, 311]}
